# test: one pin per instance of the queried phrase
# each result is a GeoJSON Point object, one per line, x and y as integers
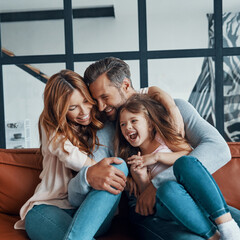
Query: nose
{"type": "Point", "coordinates": [128, 125]}
{"type": "Point", "coordinates": [101, 105]}
{"type": "Point", "coordinates": [83, 110]}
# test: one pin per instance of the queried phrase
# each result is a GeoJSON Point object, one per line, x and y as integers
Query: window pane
{"type": "Point", "coordinates": [231, 28]}
{"type": "Point", "coordinates": [23, 98]}
{"type": "Point", "coordinates": [232, 98]}
{"type": "Point", "coordinates": [191, 79]}
{"type": "Point", "coordinates": [231, 6]}
{"type": "Point", "coordinates": [43, 37]}
{"type": "Point", "coordinates": [175, 76]}
{"type": "Point", "coordinates": [29, 5]}
{"type": "Point", "coordinates": [32, 37]}
{"type": "Point", "coordinates": [107, 34]}
{"type": "Point", "coordinates": [177, 24]}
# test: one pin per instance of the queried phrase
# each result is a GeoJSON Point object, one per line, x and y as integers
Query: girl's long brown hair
{"type": "Point", "coordinates": [54, 120]}
{"type": "Point", "coordinates": [157, 118]}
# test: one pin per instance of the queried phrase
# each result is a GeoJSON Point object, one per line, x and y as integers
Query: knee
{"type": "Point", "coordinates": [184, 164]}
{"type": "Point", "coordinates": [167, 191]}
{"type": "Point", "coordinates": [122, 166]}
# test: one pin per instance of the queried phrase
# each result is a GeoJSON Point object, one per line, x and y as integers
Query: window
{"type": "Point", "coordinates": [165, 44]}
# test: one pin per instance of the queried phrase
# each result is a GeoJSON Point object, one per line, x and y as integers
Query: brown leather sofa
{"type": "Point", "coordinates": [19, 175]}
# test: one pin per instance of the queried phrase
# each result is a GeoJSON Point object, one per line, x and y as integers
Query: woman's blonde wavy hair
{"type": "Point", "coordinates": [159, 121]}
{"type": "Point", "coordinates": [54, 120]}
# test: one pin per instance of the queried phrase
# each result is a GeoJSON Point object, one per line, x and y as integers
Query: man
{"type": "Point", "coordinates": [110, 84]}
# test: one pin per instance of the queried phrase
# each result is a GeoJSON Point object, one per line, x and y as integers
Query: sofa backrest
{"type": "Point", "coordinates": [19, 176]}
{"type": "Point", "coordinates": [20, 169]}
{"type": "Point", "coordinates": [228, 177]}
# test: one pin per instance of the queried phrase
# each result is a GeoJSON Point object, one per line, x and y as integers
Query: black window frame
{"type": "Point", "coordinates": [143, 55]}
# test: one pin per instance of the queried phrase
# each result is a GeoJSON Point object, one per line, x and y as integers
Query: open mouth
{"type": "Point", "coordinates": [132, 135]}
{"type": "Point", "coordinates": [108, 109]}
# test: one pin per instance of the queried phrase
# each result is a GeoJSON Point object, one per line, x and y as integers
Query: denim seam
{"type": "Point", "coordinates": [199, 200]}
{"type": "Point", "coordinates": [178, 220]}
{"type": "Point", "coordinates": [219, 213]}
{"type": "Point", "coordinates": [49, 219]}
{"type": "Point", "coordinates": [210, 233]}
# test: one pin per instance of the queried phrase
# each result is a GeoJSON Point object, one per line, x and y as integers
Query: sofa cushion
{"type": "Point", "coordinates": [227, 177]}
{"type": "Point", "coordinates": [7, 231]}
{"type": "Point", "coordinates": [19, 177]}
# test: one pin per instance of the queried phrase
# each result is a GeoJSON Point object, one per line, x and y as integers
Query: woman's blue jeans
{"type": "Point", "coordinates": [194, 200]}
{"type": "Point", "coordinates": [91, 219]}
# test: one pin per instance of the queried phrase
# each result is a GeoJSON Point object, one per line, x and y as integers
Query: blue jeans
{"type": "Point", "coordinates": [184, 208]}
{"type": "Point", "coordinates": [91, 219]}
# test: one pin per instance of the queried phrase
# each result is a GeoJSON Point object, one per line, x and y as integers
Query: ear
{"type": "Point", "coordinates": [126, 85]}
{"type": "Point", "coordinates": [150, 127]}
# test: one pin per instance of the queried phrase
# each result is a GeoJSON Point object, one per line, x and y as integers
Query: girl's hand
{"type": "Point", "coordinates": [140, 176]}
{"type": "Point", "coordinates": [142, 161]}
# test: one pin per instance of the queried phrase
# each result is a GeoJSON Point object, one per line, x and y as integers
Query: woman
{"type": "Point", "coordinates": [70, 131]}
{"type": "Point", "coordinates": [144, 126]}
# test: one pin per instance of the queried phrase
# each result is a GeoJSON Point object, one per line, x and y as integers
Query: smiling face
{"type": "Point", "coordinates": [108, 96]}
{"type": "Point", "coordinates": [135, 128]}
{"type": "Point", "coordinates": [79, 110]}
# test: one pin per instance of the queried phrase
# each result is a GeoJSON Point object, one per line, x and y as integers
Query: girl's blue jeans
{"type": "Point", "coordinates": [91, 219]}
{"type": "Point", "coordinates": [194, 200]}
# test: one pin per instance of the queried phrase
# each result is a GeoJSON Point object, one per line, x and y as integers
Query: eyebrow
{"type": "Point", "coordinates": [104, 95]}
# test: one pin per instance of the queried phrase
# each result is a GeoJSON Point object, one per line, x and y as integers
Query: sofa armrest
{"type": "Point", "coordinates": [20, 169]}
{"type": "Point", "coordinates": [228, 177]}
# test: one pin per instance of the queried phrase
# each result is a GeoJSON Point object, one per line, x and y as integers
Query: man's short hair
{"type": "Point", "coordinates": [115, 69]}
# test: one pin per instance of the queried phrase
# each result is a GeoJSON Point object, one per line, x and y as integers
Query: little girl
{"type": "Point", "coordinates": [150, 144]}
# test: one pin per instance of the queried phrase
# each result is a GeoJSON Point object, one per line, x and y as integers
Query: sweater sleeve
{"type": "Point", "coordinates": [209, 147]}
{"type": "Point", "coordinates": [73, 158]}
{"type": "Point", "coordinates": [78, 186]}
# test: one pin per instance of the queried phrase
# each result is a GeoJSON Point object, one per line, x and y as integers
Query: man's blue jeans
{"type": "Point", "coordinates": [184, 208]}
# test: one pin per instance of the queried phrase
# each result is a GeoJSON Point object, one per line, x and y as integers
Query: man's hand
{"type": "Point", "coordinates": [103, 176]}
{"type": "Point", "coordinates": [146, 201]}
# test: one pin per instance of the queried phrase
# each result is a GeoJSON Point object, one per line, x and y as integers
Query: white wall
{"type": "Point", "coordinates": [171, 25]}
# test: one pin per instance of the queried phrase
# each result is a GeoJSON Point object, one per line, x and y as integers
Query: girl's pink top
{"type": "Point", "coordinates": [156, 168]}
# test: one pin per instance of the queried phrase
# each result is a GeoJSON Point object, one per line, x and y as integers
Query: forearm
{"type": "Point", "coordinates": [164, 98]}
{"type": "Point", "coordinates": [142, 180]}
{"type": "Point", "coordinates": [166, 175]}
{"type": "Point", "coordinates": [209, 147]}
{"type": "Point", "coordinates": [168, 102]}
{"type": "Point", "coordinates": [142, 185]}
{"type": "Point", "coordinates": [220, 155]}
{"type": "Point", "coordinates": [169, 158]}
{"type": "Point", "coordinates": [89, 162]}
